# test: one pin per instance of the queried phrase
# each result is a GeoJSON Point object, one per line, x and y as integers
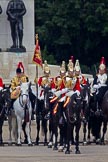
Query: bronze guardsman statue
{"type": "Point", "coordinates": [15, 11]}
{"type": "Point", "coordinates": [0, 10]}
{"type": "Point", "coordinates": [0, 13]}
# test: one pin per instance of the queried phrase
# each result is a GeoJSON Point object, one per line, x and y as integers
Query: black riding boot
{"type": "Point", "coordinates": [11, 107]}
{"type": "Point", "coordinates": [32, 98]}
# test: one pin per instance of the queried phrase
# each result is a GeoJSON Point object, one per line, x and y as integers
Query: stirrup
{"type": "Point", "coordinates": [47, 116]}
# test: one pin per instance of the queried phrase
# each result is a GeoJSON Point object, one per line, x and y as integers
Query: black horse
{"type": "Point", "coordinates": [73, 115]}
{"type": "Point", "coordinates": [5, 103]}
{"type": "Point", "coordinates": [43, 114]}
{"type": "Point", "coordinates": [85, 94]}
{"type": "Point", "coordinates": [94, 120]}
{"type": "Point", "coordinates": [105, 115]}
{"type": "Point", "coordinates": [59, 123]}
{"type": "Point", "coordinates": [42, 111]}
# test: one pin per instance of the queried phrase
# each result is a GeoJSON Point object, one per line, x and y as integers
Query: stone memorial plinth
{"type": "Point", "coordinates": [9, 60]}
{"type": "Point", "coordinates": [28, 24]}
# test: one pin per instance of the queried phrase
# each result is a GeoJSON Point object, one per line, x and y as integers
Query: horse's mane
{"type": "Point", "coordinates": [73, 102]}
{"type": "Point", "coordinates": [105, 95]}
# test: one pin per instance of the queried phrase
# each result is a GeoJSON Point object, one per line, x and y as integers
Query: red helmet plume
{"type": "Point", "coordinates": [20, 65]}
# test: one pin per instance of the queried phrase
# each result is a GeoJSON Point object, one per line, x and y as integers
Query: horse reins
{"type": "Point", "coordinates": [21, 100]}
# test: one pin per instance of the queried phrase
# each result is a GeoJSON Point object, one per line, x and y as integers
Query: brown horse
{"type": "Point", "coordinates": [105, 115]}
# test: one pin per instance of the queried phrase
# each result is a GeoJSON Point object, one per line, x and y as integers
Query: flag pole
{"type": "Point", "coordinates": [36, 77]}
{"type": "Point", "coordinates": [36, 83]}
{"type": "Point", "coordinates": [37, 59]}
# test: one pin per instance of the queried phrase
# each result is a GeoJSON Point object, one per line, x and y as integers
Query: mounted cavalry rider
{"type": "Point", "coordinates": [100, 83]}
{"type": "Point", "coordinates": [20, 77]}
{"type": "Point", "coordinates": [78, 74]}
{"type": "Point", "coordinates": [16, 81]}
{"type": "Point", "coordinates": [60, 82]}
{"type": "Point", "coordinates": [44, 81]}
{"type": "Point", "coordinates": [77, 78]}
{"type": "Point", "coordinates": [72, 82]}
{"type": "Point", "coordinates": [66, 85]}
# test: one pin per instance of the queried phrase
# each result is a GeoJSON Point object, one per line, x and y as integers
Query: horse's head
{"type": "Point", "coordinates": [105, 104]}
{"type": "Point", "coordinates": [47, 96]}
{"type": "Point", "coordinates": [74, 108]}
{"type": "Point", "coordinates": [5, 98]}
{"type": "Point", "coordinates": [85, 92]}
{"type": "Point", "coordinates": [24, 92]}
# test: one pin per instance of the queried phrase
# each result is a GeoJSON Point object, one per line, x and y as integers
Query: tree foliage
{"type": "Point", "coordinates": [73, 27]}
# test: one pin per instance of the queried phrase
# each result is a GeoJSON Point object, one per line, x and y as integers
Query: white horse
{"type": "Point", "coordinates": [23, 111]}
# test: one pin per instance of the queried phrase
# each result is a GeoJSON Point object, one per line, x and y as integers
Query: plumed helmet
{"type": "Point", "coordinates": [77, 66]}
{"type": "Point", "coordinates": [70, 66]}
{"type": "Point", "coordinates": [62, 68]}
{"type": "Point", "coordinates": [20, 65]}
{"type": "Point", "coordinates": [72, 58]}
{"type": "Point", "coordinates": [102, 65]}
{"type": "Point", "coordinates": [18, 70]}
{"type": "Point", "coordinates": [46, 68]}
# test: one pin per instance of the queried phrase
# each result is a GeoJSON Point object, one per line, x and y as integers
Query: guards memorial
{"type": "Point", "coordinates": [9, 57]}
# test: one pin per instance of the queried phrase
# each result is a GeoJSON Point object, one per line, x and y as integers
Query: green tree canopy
{"type": "Point", "coordinates": [73, 27]}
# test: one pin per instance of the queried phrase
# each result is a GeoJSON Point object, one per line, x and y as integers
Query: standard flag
{"type": "Point", "coordinates": [37, 59]}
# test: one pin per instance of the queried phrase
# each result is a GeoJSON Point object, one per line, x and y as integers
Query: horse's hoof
{"type": "Point", "coordinates": [55, 148]}
{"type": "Point", "coordinates": [71, 148]}
{"type": "Point", "coordinates": [49, 146]}
{"type": "Point", "coordinates": [19, 144]}
{"type": "Point", "coordinates": [84, 143]}
{"type": "Point", "coordinates": [30, 144]}
{"type": "Point", "coordinates": [2, 144]}
{"type": "Point", "coordinates": [88, 143]}
{"type": "Point", "coordinates": [25, 141]}
{"type": "Point", "coordinates": [36, 143]}
{"type": "Point", "coordinates": [102, 143]}
{"type": "Point", "coordinates": [45, 144]}
{"type": "Point", "coordinates": [98, 141]}
{"type": "Point", "coordinates": [77, 152]}
{"type": "Point", "coordinates": [94, 140]}
{"type": "Point", "coordinates": [60, 149]}
{"type": "Point", "coordinates": [67, 152]}
{"type": "Point", "coordinates": [9, 144]}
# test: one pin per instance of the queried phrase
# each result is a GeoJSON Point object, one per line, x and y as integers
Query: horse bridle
{"type": "Point", "coordinates": [46, 95]}
{"type": "Point", "coordinates": [6, 100]}
{"type": "Point", "coordinates": [21, 100]}
{"type": "Point", "coordinates": [73, 118]}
